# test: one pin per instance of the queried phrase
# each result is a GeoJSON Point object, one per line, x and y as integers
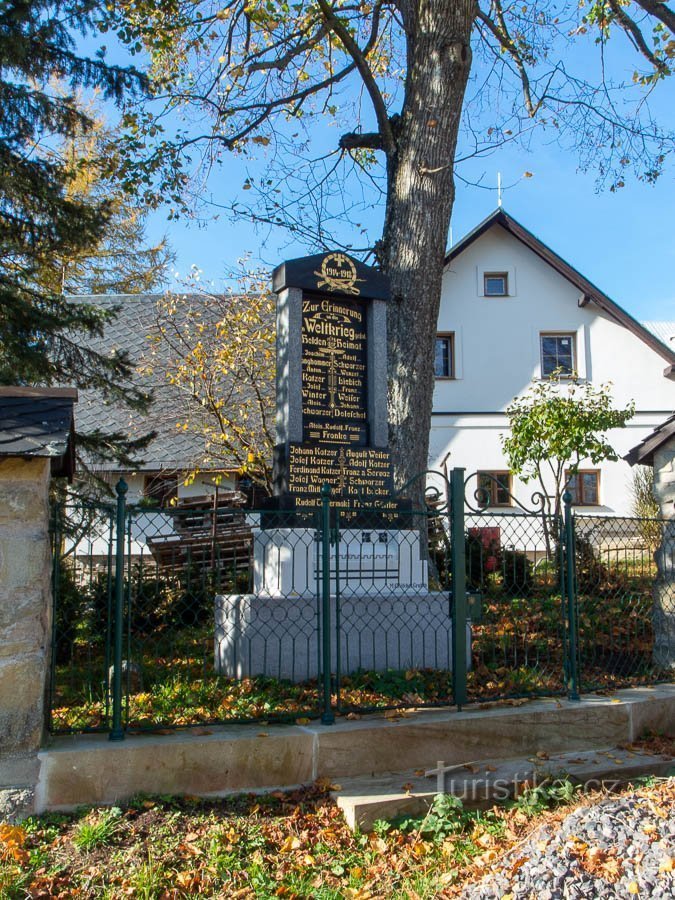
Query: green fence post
{"type": "Point", "coordinates": [335, 535]}
{"type": "Point", "coordinates": [327, 715]}
{"type": "Point", "coordinates": [117, 732]}
{"type": "Point", "coordinates": [458, 564]}
{"type": "Point", "coordinates": [571, 590]}
{"type": "Point", "coordinates": [58, 515]}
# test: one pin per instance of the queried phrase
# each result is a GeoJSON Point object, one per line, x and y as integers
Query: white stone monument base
{"type": "Point", "coordinates": [287, 562]}
{"type": "Point", "coordinates": [282, 638]}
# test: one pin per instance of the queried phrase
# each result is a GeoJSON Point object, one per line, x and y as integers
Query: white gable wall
{"type": "Point", "coordinates": [497, 356]}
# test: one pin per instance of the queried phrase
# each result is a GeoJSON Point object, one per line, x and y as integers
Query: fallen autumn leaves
{"type": "Point", "coordinates": [286, 844]}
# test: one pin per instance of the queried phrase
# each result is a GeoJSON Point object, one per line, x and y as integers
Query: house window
{"type": "Point", "coordinates": [160, 489]}
{"type": "Point", "coordinates": [557, 354]}
{"type": "Point", "coordinates": [444, 359]}
{"type": "Point", "coordinates": [584, 486]}
{"type": "Point", "coordinates": [496, 284]}
{"type": "Point", "coordinates": [494, 489]}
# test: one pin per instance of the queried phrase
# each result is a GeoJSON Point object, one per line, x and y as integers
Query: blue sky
{"type": "Point", "coordinates": [624, 242]}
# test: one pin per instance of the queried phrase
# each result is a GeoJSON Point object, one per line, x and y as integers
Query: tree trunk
{"type": "Point", "coordinates": [419, 205]}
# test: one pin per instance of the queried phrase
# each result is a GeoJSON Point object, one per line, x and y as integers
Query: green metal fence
{"type": "Point", "coordinates": [516, 581]}
{"type": "Point", "coordinates": [138, 594]}
{"type": "Point", "coordinates": [625, 603]}
{"type": "Point", "coordinates": [387, 591]}
{"type": "Point", "coordinates": [83, 578]}
{"type": "Point", "coordinates": [176, 617]}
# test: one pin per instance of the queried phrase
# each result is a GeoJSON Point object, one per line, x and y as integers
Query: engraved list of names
{"type": "Point", "coordinates": [334, 372]}
{"type": "Point", "coordinates": [335, 408]}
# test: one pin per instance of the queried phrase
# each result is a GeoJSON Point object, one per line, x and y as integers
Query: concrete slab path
{"type": "Point", "coordinates": [480, 784]}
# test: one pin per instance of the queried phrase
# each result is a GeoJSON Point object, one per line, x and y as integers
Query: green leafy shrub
{"type": "Point", "coordinates": [490, 567]}
{"type": "Point", "coordinates": [591, 573]}
{"type": "Point", "coordinates": [445, 817]}
{"type": "Point", "coordinates": [535, 800]}
{"type": "Point", "coordinates": [80, 611]}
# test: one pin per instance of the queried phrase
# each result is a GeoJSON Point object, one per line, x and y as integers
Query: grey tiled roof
{"type": "Point", "coordinates": [132, 330]}
{"type": "Point", "coordinates": [643, 452]}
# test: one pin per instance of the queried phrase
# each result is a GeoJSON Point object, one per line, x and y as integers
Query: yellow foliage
{"type": "Point", "coordinates": [218, 352]}
{"type": "Point", "coordinates": [291, 843]}
{"type": "Point", "coordinates": [12, 840]}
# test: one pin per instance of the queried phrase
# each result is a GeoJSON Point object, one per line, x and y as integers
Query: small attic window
{"type": "Point", "coordinates": [496, 284]}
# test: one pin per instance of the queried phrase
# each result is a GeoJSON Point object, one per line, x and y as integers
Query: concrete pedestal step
{"type": "Point", "coordinates": [480, 784]}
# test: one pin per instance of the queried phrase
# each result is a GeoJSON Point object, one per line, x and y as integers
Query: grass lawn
{"type": "Point", "coordinates": [292, 845]}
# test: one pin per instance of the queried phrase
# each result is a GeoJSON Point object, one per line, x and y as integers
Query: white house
{"type": "Point", "coordinates": [512, 311]}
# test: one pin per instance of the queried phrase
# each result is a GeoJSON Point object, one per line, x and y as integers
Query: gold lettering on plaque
{"type": "Point", "coordinates": [338, 273]}
{"type": "Point", "coordinates": [331, 380]}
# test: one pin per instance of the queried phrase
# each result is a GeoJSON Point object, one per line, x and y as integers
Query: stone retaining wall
{"type": "Point", "coordinates": [25, 626]}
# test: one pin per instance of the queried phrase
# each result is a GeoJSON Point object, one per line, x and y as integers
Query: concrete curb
{"type": "Point", "coordinates": [220, 760]}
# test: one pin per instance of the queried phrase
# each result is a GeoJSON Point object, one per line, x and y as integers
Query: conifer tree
{"type": "Point", "coordinates": [120, 260]}
{"type": "Point", "coordinates": [40, 216]}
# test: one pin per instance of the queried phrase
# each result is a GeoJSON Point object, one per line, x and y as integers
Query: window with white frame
{"type": "Point", "coordinates": [557, 354]}
{"type": "Point", "coordinates": [496, 284]}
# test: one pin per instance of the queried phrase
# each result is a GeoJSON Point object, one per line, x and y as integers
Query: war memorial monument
{"type": "Point", "coordinates": [332, 429]}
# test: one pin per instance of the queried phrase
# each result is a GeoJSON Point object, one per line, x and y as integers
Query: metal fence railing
{"type": "Point", "coordinates": [163, 598]}
{"type": "Point", "coordinates": [625, 601]}
{"type": "Point", "coordinates": [187, 616]}
{"type": "Point", "coordinates": [515, 583]}
{"type": "Point", "coordinates": [83, 579]}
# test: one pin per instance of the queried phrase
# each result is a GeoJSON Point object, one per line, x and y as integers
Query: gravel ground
{"type": "Point", "coordinates": [620, 847]}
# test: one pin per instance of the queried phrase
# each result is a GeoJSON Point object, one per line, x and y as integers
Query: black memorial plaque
{"type": "Point", "coordinates": [357, 475]}
{"type": "Point", "coordinates": [335, 391]}
{"type": "Point", "coordinates": [334, 371]}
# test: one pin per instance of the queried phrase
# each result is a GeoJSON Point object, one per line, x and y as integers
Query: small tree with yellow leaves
{"type": "Point", "coordinates": [218, 352]}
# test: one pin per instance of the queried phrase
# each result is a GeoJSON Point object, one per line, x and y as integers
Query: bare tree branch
{"type": "Point", "coordinates": [501, 33]}
{"type": "Point", "coordinates": [353, 49]}
{"type": "Point", "coordinates": [660, 11]}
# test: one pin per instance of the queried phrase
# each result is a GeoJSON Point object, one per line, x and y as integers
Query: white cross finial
{"type": "Point", "coordinates": [499, 189]}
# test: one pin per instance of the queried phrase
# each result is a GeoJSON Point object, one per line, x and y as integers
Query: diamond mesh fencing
{"type": "Point", "coordinates": [391, 608]}
{"type": "Point", "coordinates": [198, 646]}
{"type": "Point", "coordinates": [515, 604]}
{"type": "Point", "coordinates": [83, 576]}
{"type": "Point", "coordinates": [625, 581]}
{"type": "Point", "coordinates": [226, 614]}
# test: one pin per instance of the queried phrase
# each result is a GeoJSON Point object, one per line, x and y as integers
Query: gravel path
{"type": "Point", "coordinates": [621, 847]}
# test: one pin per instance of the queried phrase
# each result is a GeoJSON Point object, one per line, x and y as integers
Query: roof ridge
{"type": "Point", "coordinates": [500, 217]}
